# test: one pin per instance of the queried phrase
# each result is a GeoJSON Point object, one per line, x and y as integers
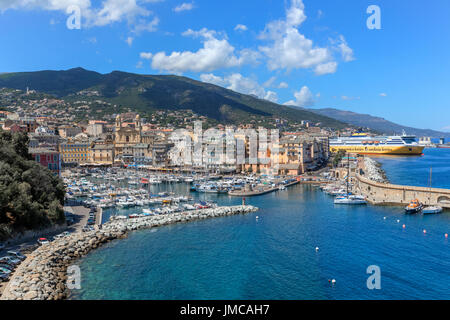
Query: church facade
{"type": "Point", "coordinates": [126, 136]}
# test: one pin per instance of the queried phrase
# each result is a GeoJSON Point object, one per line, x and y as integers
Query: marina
{"type": "Point", "coordinates": [114, 190]}
{"type": "Point", "coordinates": [264, 250]}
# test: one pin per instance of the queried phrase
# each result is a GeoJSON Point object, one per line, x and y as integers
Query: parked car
{"type": "Point", "coordinates": [9, 260]}
{"type": "Point", "coordinates": [87, 228]}
{"type": "Point", "coordinates": [3, 277]}
{"type": "Point", "coordinates": [5, 271]}
{"type": "Point", "coordinates": [58, 236]}
{"type": "Point", "coordinates": [16, 254]}
{"type": "Point", "coordinates": [43, 241]}
{"type": "Point", "coordinates": [7, 266]}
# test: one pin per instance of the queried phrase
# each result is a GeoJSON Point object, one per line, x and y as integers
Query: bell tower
{"type": "Point", "coordinates": [138, 127]}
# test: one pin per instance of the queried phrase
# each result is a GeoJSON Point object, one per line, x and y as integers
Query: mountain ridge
{"type": "Point", "coordinates": [148, 93]}
{"type": "Point", "coordinates": [378, 123]}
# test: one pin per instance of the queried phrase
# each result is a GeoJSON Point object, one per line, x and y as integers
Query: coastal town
{"type": "Point", "coordinates": [60, 140]}
{"type": "Point", "coordinates": [110, 164]}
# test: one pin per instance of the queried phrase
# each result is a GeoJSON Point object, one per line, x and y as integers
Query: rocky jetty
{"type": "Point", "coordinates": [43, 275]}
{"type": "Point", "coordinates": [373, 171]}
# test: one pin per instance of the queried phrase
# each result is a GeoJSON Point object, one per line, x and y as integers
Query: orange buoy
{"type": "Point", "coordinates": [424, 231]}
{"type": "Point", "coordinates": [404, 226]}
{"type": "Point", "coordinates": [446, 235]}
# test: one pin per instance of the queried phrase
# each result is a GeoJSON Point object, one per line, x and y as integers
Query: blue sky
{"type": "Point", "coordinates": [311, 53]}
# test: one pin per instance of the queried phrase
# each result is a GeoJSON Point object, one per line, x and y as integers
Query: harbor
{"type": "Point", "coordinates": [110, 191]}
{"type": "Point", "coordinates": [41, 276]}
{"type": "Point", "coordinates": [109, 202]}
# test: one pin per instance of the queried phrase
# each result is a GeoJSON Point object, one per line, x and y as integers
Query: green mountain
{"type": "Point", "coordinates": [147, 93]}
{"type": "Point", "coordinates": [378, 124]}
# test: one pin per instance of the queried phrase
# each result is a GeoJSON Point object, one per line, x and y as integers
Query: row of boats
{"type": "Point", "coordinates": [342, 195]}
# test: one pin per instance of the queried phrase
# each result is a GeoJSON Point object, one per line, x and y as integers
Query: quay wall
{"type": "Point", "coordinates": [43, 274]}
{"type": "Point", "coordinates": [386, 193]}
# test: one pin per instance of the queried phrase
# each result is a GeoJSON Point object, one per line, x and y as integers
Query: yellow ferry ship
{"type": "Point", "coordinates": [395, 145]}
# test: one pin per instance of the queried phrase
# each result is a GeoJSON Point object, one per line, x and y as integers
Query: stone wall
{"type": "Point", "coordinates": [385, 193]}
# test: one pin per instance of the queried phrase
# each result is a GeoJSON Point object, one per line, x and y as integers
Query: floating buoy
{"type": "Point", "coordinates": [424, 231]}
{"type": "Point", "coordinates": [446, 235]}
{"type": "Point", "coordinates": [384, 218]}
{"type": "Point", "coordinates": [333, 281]}
{"type": "Point", "coordinates": [257, 217]}
{"type": "Point", "coordinates": [398, 221]}
{"type": "Point", "coordinates": [404, 226]}
{"type": "Point", "coordinates": [317, 248]}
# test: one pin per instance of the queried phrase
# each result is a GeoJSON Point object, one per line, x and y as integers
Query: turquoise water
{"type": "Point", "coordinates": [274, 257]}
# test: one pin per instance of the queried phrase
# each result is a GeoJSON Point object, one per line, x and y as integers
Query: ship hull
{"type": "Point", "coordinates": [390, 150]}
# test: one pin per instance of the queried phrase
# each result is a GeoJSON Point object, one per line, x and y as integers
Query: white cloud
{"type": "Point", "coordinates": [184, 7]}
{"type": "Point", "coordinates": [143, 25]}
{"type": "Point", "coordinates": [350, 98]}
{"type": "Point", "coordinates": [289, 49]}
{"type": "Point", "coordinates": [271, 96]}
{"type": "Point", "coordinates": [216, 53]}
{"type": "Point", "coordinates": [346, 51]}
{"type": "Point", "coordinates": [303, 98]}
{"type": "Point", "coordinates": [325, 68]}
{"type": "Point", "coordinates": [240, 27]}
{"type": "Point", "coordinates": [269, 83]}
{"type": "Point", "coordinates": [134, 12]}
{"type": "Point", "coordinates": [239, 83]}
{"type": "Point", "coordinates": [145, 55]}
{"type": "Point", "coordinates": [129, 40]}
{"type": "Point", "coordinates": [283, 85]}
{"type": "Point", "coordinates": [383, 94]}
{"type": "Point", "coordinates": [319, 14]}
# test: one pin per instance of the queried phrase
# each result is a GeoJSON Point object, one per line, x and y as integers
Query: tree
{"type": "Point", "coordinates": [31, 196]}
{"type": "Point", "coordinates": [338, 157]}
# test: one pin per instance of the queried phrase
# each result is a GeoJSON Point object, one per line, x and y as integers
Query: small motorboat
{"type": "Point", "coordinates": [415, 206]}
{"type": "Point", "coordinates": [431, 210]}
{"type": "Point", "coordinates": [350, 199]}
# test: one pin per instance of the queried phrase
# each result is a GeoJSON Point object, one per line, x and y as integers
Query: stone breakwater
{"type": "Point", "coordinates": [43, 274]}
{"type": "Point", "coordinates": [374, 171]}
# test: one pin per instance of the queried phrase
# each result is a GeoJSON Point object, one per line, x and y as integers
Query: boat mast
{"type": "Point", "coordinates": [348, 171]}
{"type": "Point", "coordinates": [431, 171]}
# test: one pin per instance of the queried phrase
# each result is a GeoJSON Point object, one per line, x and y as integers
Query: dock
{"type": "Point", "coordinates": [252, 193]}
